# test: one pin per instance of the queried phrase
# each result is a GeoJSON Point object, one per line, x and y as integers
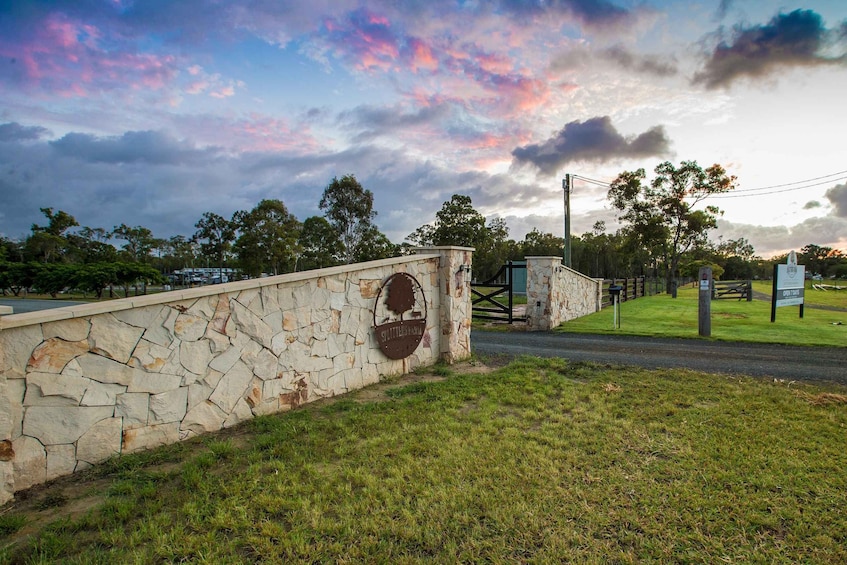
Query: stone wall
{"type": "Point", "coordinates": [556, 293]}
{"type": "Point", "coordinates": [81, 384]}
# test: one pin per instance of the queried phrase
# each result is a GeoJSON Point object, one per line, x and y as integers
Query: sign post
{"type": "Point", "coordinates": [789, 282]}
{"type": "Point", "coordinates": [704, 320]}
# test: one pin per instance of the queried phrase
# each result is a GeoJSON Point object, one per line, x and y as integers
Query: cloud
{"type": "Point", "coordinates": [768, 241]}
{"type": "Point", "coordinates": [580, 57]}
{"type": "Point", "coordinates": [375, 121]}
{"type": "Point", "coordinates": [837, 195]}
{"type": "Point", "coordinates": [592, 13]}
{"type": "Point", "coordinates": [166, 184]}
{"type": "Point", "coordinates": [594, 140]}
{"type": "Point", "coordinates": [724, 8]}
{"type": "Point", "coordinates": [797, 39]}
{"type": "Point", "coordinates": [811, 205]}
{"type": "Point", "coordinates": [149, 147]}
{"type": "Point", "coordinates": [14, 131]}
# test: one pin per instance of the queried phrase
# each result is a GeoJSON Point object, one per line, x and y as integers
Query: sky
{"type": "Point", "coordinates": [150, 113]}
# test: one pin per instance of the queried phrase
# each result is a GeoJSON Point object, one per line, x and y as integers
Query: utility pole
{"type": "Point", "coordinates": [566, 186]}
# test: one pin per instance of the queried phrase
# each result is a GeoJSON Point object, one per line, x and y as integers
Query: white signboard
{"type": "Point", "coordinates": [790, 282]}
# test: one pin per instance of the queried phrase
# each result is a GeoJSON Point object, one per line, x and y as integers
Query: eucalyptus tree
{"type": "Point", "coordinates": [268, 238]}
{"type": "Point", "coordinates": [319, 245]}
{"type": "Point", "coordinates": [139, 242]}
{"type": "Point", "coordinates": [92, 245]}
{"type": "Point", "coordinates": [215, 235]}
{"type": "Point", "coordinates": [50, 243]}
{"type": "Point", "coordinates": [374, 245]}
{"type": "Point", "coordinates": [348, 207]}
{"type": "Point", "coordinates": [665, 214]}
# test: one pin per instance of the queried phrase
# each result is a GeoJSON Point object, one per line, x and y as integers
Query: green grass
{"type": "Point", "coordinates": [732, 320]}
{"type": "Point", "coordinates": [812, 296]}
{"type": "Point", "coordinates": [543, 461]}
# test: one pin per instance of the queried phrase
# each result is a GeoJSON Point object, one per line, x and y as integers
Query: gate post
{"type": "Point", "coordinates": [540, 290]}
{"type": "Point", "coordinates": [454, 300]}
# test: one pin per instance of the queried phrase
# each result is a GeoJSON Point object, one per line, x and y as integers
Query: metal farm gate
{"type": "Point", "coordinates": [493, 299]}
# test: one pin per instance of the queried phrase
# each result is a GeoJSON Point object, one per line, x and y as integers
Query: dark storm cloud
{"type": "Point", "coordinates": [594, 140]}
{"type": "Point", "coordinates": [837, 195]}
{"type": "Point", "coordinates": [797, 39]}
{"type": "Point", "coordinates": [14, 131]}
{"type": "Point", "coordinates": [149, 147]}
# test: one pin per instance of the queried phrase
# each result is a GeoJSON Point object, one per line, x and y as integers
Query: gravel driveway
{"type": "Point", "coordinates": [777, 361]}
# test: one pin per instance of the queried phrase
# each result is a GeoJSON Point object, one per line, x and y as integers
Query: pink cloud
{"type": "Point", "coordinates": [68, 58]}
{"type": "Point", "coordinates": [365, 40]}
{"type": "Point", "coordinates": [251, 133]}
{"type": "Point", "coordinates": [421, 56]}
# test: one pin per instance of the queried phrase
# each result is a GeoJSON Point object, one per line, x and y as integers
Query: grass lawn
{"type": "Point", "coordinates": [540, 461]}
{"type": "Point", "coordinates": [732, 320]}
{"type": "Point", "coordinates": [812, 296]}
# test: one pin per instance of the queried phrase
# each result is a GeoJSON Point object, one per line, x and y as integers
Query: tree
{"type": "Point", "coordinates": [349, 209]}
{"type": "Point", "coordinates": [738, 258]}
{"type": "Point", "coordinates": [458, 223]}
{"type": "Point", "coordinates": [49, 243]}
{"type": "Point", "coordinates": [19, 276]}
{"type": "Point", "coordinates": [537, 244]}
{"type": "Point", "coordinates": [215, 235]}
{"type": "Point", "coordinates": [819, 258]}
{"type": "Point", "coordinates": [268, 240]}
{"type": "Point", "coordinates": [95, 277]}
{"type": "Point", "coordinates": [492, 248]}
{"type": "Point", "coordinates": [57, 224]}
{"type": "Point", "coordinates": [179, 253]}
{"type": "Point", "coordinates": [139, 241]}
{"type": "Point", "coordinates": [319, 244]}
{"type": "Point", "coordinates": [53, 278]}
{"type": "Point", "coordinates": [91, 245]}
{"type": "Point", "coordinates": [374, 245]}
{"type": "Point", "coordinates": [661, 215]}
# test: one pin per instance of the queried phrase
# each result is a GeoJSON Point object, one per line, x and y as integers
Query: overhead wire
{"type": "Point", "coordinates": [759, 191]}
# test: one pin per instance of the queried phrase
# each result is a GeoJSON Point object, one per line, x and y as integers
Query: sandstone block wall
{"type": "Point", "coordinates": [556, 293]}
{"type": "Point", "coordinates": [81, 384]}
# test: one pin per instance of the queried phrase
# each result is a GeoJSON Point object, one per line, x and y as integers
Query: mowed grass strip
{"type": "Point", "coordinates": [542, 461]}
{"type": "Point", "coordinates": [732, 320]}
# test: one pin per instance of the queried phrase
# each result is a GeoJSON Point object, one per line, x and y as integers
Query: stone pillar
{"type": "Point", "coordinates": [454, 311]}
{"type": "Point", "coordinates": [541, 287]}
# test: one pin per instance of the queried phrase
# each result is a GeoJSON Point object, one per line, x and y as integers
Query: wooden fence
{"type": "Point", "coordinates": [725, 290]}
{"type": "Point", "coordinates": [632, 288]}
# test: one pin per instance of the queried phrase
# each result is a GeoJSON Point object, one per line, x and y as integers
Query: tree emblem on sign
{"type": "Point", "coordinates": [398, 338]}
{"type": "Point", "coordinates": [401, 294]}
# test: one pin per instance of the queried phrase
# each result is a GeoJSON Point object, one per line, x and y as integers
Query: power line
{"type": "Point", "coordinates": [797, 182]}
{"type": "Point", "coordinates": [759, 191]}
{"type": "Point", "coordinates": [731, 195]}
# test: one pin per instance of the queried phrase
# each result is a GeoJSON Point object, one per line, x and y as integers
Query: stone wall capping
{"type": "Point", "coordinates": [80, 310]}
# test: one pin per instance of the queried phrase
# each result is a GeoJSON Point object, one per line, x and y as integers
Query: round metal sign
{"type": "Point", "coordinates": [401, 295]}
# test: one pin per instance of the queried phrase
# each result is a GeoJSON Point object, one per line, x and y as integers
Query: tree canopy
{"type": "Point", "coordinates": [348, 207]}
{"type": "Point", "coordinates": [663, 216]}
{"type": "Point", "coordinates": [268, 240]}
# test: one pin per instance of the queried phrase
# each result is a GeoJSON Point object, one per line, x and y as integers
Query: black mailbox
{"type": "Point", "coordinates": [615, 291]}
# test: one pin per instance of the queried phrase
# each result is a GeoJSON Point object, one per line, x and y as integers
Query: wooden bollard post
{"type": "Point", "coordinates": [705, 302]}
